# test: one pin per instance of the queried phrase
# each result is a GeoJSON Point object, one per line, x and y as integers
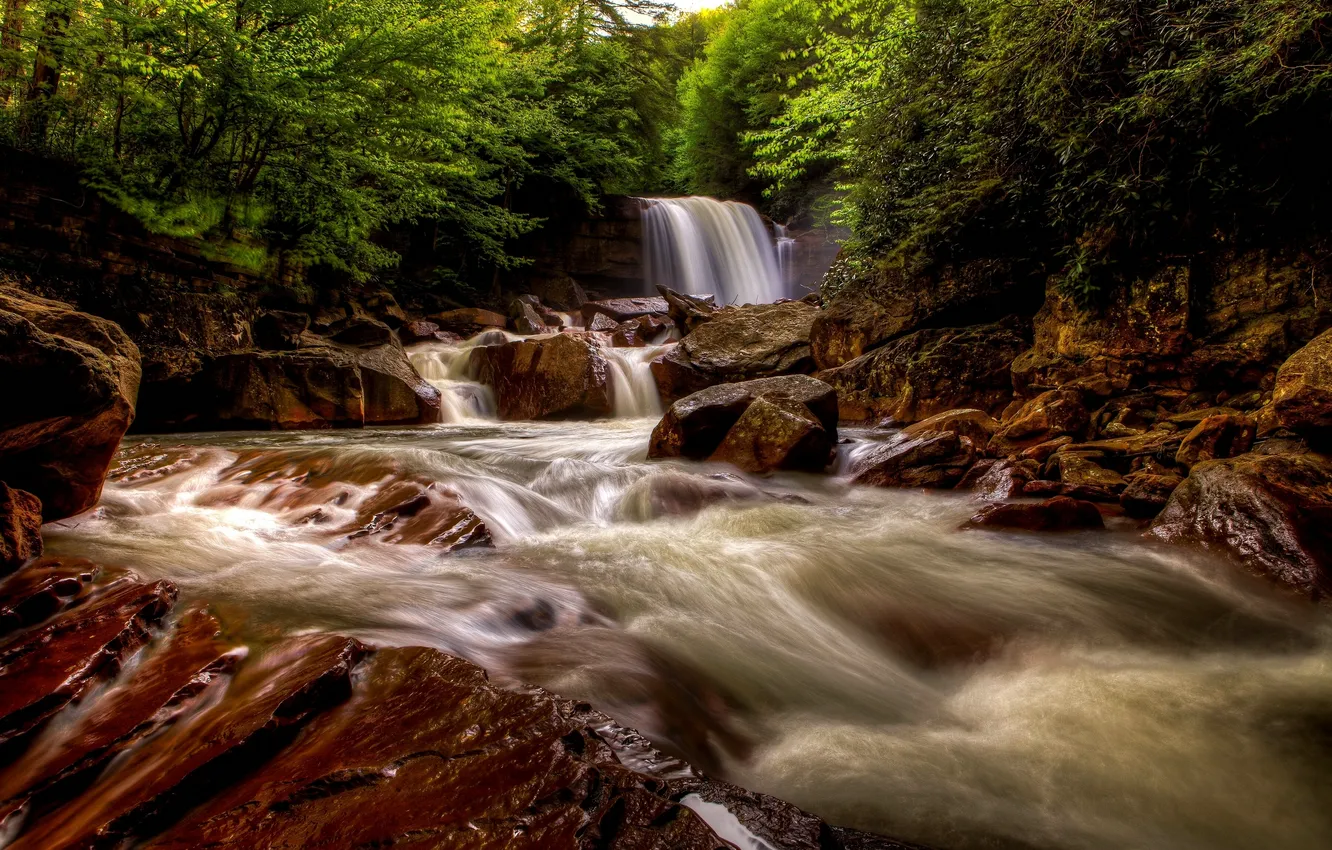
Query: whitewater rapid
{"type": "Point", "coordinates": [847, 649]}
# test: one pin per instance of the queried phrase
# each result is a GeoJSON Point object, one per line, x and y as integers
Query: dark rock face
{"type": "Point", "coordinates": [931, 459]}
{"type": "Point", "coordinates": [72, 381]}
{"type": "Point", "coordinates": [876, 306]}
{"type": "Point", "coordinates": [1303, 393]}
{"type": "Point", "coordinates": [363, 333]}
{"type": "Point", "coordinates": [280, 330]}
{"type": "Point", "coordinates": [688, 311]}
{"type": "Point", "coordinates": [1058, 514]}
{"type": "Point", "coordinates": [794, 428]}
{"type": "Point", "coordinates": [739, 344]}
{"type": "Point", "coordinates": [562, 377]}
{"type": "Point", "coordinates": [20, 528]}
{"type": "Point", "coordinates": [1273, 512]}
{"type": "Point", "coordinates": [1146, 495]}
{"type": "Point", "coordinates": [930, 372]}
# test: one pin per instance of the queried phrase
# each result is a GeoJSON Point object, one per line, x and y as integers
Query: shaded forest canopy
{"type": "Point", "coordinates": [1085, 135]}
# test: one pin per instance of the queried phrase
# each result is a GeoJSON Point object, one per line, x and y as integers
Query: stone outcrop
{"type": "Point", "coordinates": [20, 528]}
{"type": "Point", "coordinates": [72, 381]}
{"type": "Point", "coordinates": [872, 306]}
{"type": "Point", "coordinates": [786, 422]}
{"type": "Point", "coordinates": [738, 344]}
{"type": "Point", "coordinates": [1270, 511]}
{"type": "Point", "coordinates": [1217, 437]}
{"type": "Point", "coordinates": [930, 372]}
{"type": "Point", "coordinates": [317, 740]}
{"type": "Point", "coordinates": [559, 377]}
{"type": "Point", "coordinates": [623, 309]}
{"type": "Point", "coordinates": [1053, 414]}
{"type": "Point", "coordinates": [931, 459]}
{"type": "Point", "coordinates": [467, 322]}
{"type": "Point", "coordinates": [1060, 513]}
{"type": "Point", "coordinates": [1302, 397]}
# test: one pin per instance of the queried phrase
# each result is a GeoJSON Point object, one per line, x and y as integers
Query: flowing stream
{"type": "Point", "coordinates": [847, 649]}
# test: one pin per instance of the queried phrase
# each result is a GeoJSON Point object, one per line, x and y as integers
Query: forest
{"type": "Point", "coordinates": [1093, 133]}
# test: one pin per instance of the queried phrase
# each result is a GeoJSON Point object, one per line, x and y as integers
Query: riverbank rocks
{"type": "Point", "coordinates": [787, 422]}
{"type": "Point", "coordinates": [999, 480]}
{"type": "Point", "coordinates": [71, 383]}
{"type": "Point", "coordinates": [559, 377]}
{"type": "Point", "coordinates": [467, 322]}
{"type": "Point", "coordinates": [621, 310]}
{"type": "Point", "coordinates": [1058, 514]}
{"type": "Point", "coordinates": [873, 305]}
{"type": "Point", "coordinates": [688, 311]}
{"type": "Point", "coordinates": [20, 528]}
{"type": "Point", "coordinates": [1271, 511]}
{"type": "Point", "coordinates": [738, 344]}
{"type": "Point", "coordinates": [932, 459]}
{"type": "Point", "coordinates": [1303, 393]}
{"type": "Point", "coordinates": [931, 372]}
{"type": "Point", "coordinates": [1215, 438]}
{"type": "Point", "coordinates": [1146, 493]}
{"type": "Point", "coordinates": [1057, 413]}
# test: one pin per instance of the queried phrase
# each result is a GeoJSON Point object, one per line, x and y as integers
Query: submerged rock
{"type": "Point", "coordinates": [738, 344]}
{"type": "Point", "coordinates": [794, 428]}
{"type": "Point", "coordinates": [1273, 512]}
{"type": "Point", "coordinates": [20, 528]}
{"type": "Point", "coordinates": [560, 377]}
{"type": "Point", "coordinates": [72, 381]}
{"type": "Point", "coordinates": [1058, 514]}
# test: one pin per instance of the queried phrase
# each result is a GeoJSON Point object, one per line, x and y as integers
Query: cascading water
{"type": "Point", "coordinates": [633, 389]}
{"type": "Point", "coordinates": [786, 246]}
{"type": "Point", "coordinates": [447, 367]}
{"type": "Point", "coordinates": [703, 246]}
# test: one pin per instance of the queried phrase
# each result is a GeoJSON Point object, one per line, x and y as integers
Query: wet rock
{"type": "Point", "coordinates": [72, 381]}
{"type": "Point", "coordinates": [469, 321]}
{"type": "Point", "coordinates": [406, 513]}
{"type": "Point", "coordinates": [930, 372]}
{"type": "Point", "coordinates": [20, 528]}
{"type": "Point", "coordinates": [419, 331]}
{"type": "Point", "coordinates": [998, 480]}
{"type": "Point", "coordinates": [601, 323]}
{"type": "Point", "coordinates": [1146, 494]}
{"type": "Point", "coordinates": [1057, 413]}
{"type": "Point", "coordinates": [688, 312]}
{"type": "Point", "coordinates": [876, 305]}
{"type": "Point", "coordinates": [280, 330]}
{"type": "Point", "coordinates": [1041, 452]}
{"type": "Point", "coordinates": [1303, 393]}
{"type": "Point", "coordinates": [563, 377]}
{"type": "Point", "coordinates": [680, 494]}
{"type": "Point", "coordinates": [190, 660]}
{"type": "Point", "coordinates": [363, 333]}
{"type": "Point", "coordinates": [937, 459]}
{"type": "Point", "coordinates": [1273, 512]}
{"type": "Point", "coordinates": [528, 321]}
{"type": "Point", "coordinates": [697, 425]}
{"type": "Point", "coordinates": [47, 668]}
{"type": "Point", "coordinates": [777, 433]}
{"type": "Point", "coordinates": [623, 309]}
{"type": "Point", "coordinates": [739, 344]}
{"type": "Point", "coordinates": [1080, 470]}
{"type": "Point", "coordinates": [1058, 514]}
{"type": "Point", "coordinates": [40, 591]}
{"type": "Point", "coordinates": [268, 702]}
{"type": "Point", "coordinates": [978, 425]}
{"type": "Point", "coordinates": [1217, 438]}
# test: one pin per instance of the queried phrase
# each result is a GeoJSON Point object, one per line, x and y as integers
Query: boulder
{"type": "Point", "coordinates": [688, 311]}
{"type": "Point", "coordinates": [469, 321]}
{"type": "Point", "coordinates": [934, 459]}
{"type": "Point", "coordinates": [280, 330]}
{"type": "Point", "coordinates": [72, 381]}
{"type": "Point", "coordinates": [739, 344]}
{"type": "Point", "coordinates": [874, 305]}
{"type": "Point", "coordinates": [1146, 494]}
{"type": "Point", "coordinates": [528, 321]}
{"type": "Point", "coordinates": [363, 333]}
{"type": "Point", "coordinates": [560, 377]}
{"type": "Point", "coordinates": [1053, 414]}
{"type": "Point", "coordinates": [601, 323]}
{"type": "Point", "coordinates": [1058, 514]}
{"type": "Point", "coordinates": [672, 493]}
{"type": "Point", "coordinates": [998, 480]}
{"type": "Point", "coordinates": [1272, 512]}
{"type": "Point", "coordinates": [20, 528]}
{"type": "Point", "coordinates": [1079, 470]}
{"type": "Point", "coordinates": [623, 309]}
{"type": "Point", "coordinates": [1216, 438]}
{"type": "Point", "coordinates": [801, 410]}
{"type": "Point", "coordinates": [930, 372]}
{"type": "Point", "coordinates": [975, 424]}
{"type": "Point", "coordinates": [419, 331]}
{"type": "Point", "coordinates": [1303, 393]}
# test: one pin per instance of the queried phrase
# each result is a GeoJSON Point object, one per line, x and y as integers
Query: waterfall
{"type": "Point", "coordinates": [445, 367]}
{"type": "Point", "coordinates": [633, 389]}
{"type": "Point", "coordinates": [786, 247]}
{"type": "Point", "coordinates": [703, 246]}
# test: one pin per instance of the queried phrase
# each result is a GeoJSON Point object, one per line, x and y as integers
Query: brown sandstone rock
{"type": "Point", "coordinates": [1057, 413]}
{"type": "Point", "coordinates": [1147, 494]}
{"type": "Point", "coordinates": [1080, 470]}
{"type": "Point", "coordinates": [528, 321]}
{"type": "Point", "coordinates": [998, 480]}
{"type": "Point", "coordinates": [777, 433]}
{"type": "Point", "coordinates": [1058, 514]}
{"type": "Point", "coordinates": [697, 425]}
{"type": "Point", "coordinates": [739, 344]}
{"type": "Point", "coordinates": [20, 528]}
{"type": "Point", "coordinates": [623, 309]}
{"type": "Point", "coordinates": [976, 424]}
{"type": "Point", "coordinates": [1273, 512]}
{"type": "Point", "coordinates": [930, 372]}
{"type": "Point", "coordinates": [469, 321]}
{"type": "Point", "coordinates": [562, 377]}
{"type": "Point", "coordinates": [40, 591]}
{"type": "Point", "coordinates": [688, 311]}
{"type": "Point", "coordinates": [1217, 438]}
{"type": "Point", "coordinates": [363, 333]}
{"type": "Point", "coordinates": [407, 512]}
{"type": "Point", "coordinates": [419, 331]}
{"type": "Point", "coordinates": [1302, 397]}
{"type": "Point", "coordinates": [71, 382]}
{"type": "Point", "coordinates": [937, 459]}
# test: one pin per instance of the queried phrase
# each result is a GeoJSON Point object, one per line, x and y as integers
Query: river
{"type": "Point", "coordinates": [847, 649]}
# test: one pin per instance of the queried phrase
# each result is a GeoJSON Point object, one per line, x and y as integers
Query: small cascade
{"type": "Point", "coordinates": [447, 367]}
{"type": "Point", "coordinates": [633, 389]}
{"type": "Point", "coordinates": [786, 246]}
{"type": "Point", "coordinates": [708, 247]}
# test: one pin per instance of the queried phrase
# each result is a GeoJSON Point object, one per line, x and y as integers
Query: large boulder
{"type": "Point", "coordinates": [20, 528]}
{"type": "Point", "coordinates": [932, 459]}
{"type": "Point", "coordinates": [1216, 437]}
{"type": "Point", "coordinates": [739, 344]}
{"type": "Point", "coordinates": [872, 306]}
{"type": "Point", "coordinates": [623, 309]}
{"type": "Point", "coordinates": [559, 377]}
{"type": "Point", "coordinates": [787, 422]}
{"type": "Point", "coordinates": [1273, 512]}
{"type": "Point", "coordinates": [469, 321]}
{"type": "Point", "coordinates": [72, 381]}
{"type": "Point", "coordinates": [931, 372]}
{"type": "Point", "coordinates": [1057, 413]}
{"type": "Point", "coordinates": [1303, 393]}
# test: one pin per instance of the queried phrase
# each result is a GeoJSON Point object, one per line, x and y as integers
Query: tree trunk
{"type": "Point", "coordinates": [10, 31]}
{"type": "Point", "coordinates": [46, 71]}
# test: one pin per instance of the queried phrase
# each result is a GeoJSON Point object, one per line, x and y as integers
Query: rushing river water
{"type": "Point", "coordinates": [844, 648]}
